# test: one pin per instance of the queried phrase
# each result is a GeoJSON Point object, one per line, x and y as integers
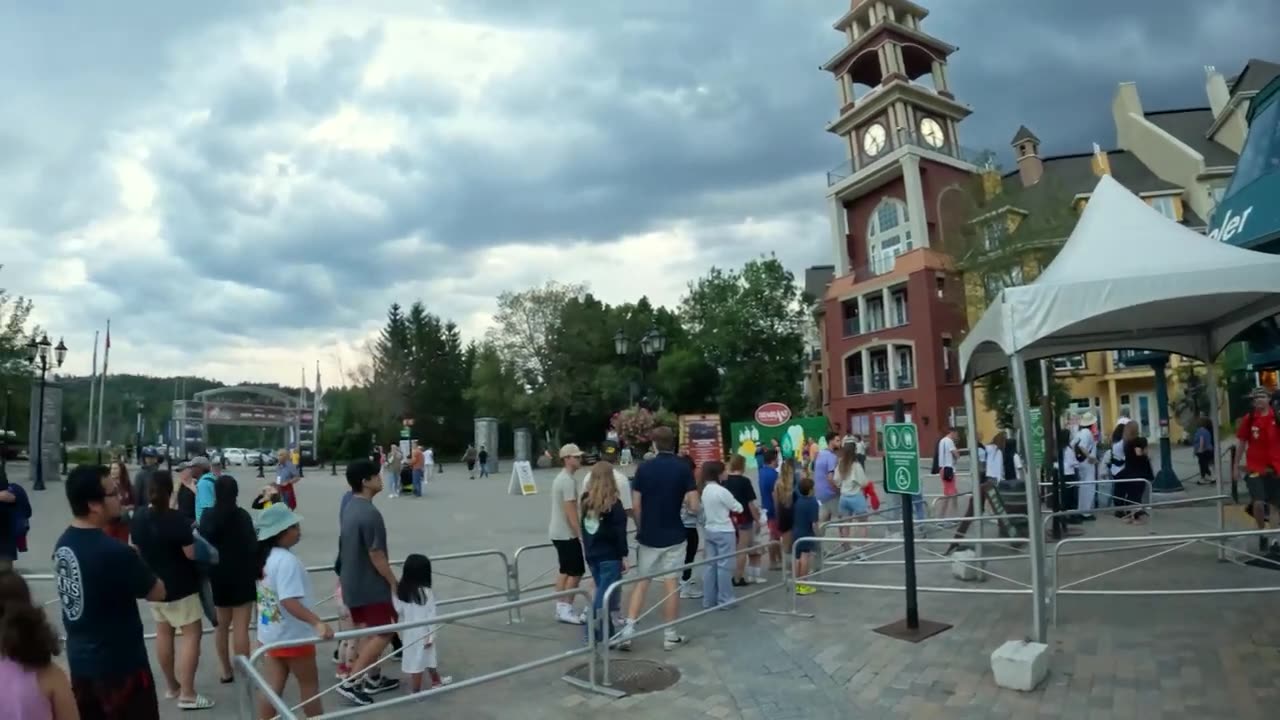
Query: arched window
{"type": "Point", "coordinates": [888, 235]}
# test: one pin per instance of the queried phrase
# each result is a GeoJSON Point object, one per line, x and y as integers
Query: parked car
{"type": "Point", "coordinates": [235, 456]}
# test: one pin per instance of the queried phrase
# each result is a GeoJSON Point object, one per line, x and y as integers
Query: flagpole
{"type": "Point", "coordinates": [102, 391]}
{"type": "Point", "coordinates": [93, 382]}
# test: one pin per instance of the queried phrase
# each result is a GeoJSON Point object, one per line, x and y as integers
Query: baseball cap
{"type": "Point", "coordinates": [200, 461]}
{"type": "Point", "coordinates": [609, 450]}
{"type": "Point", "coordinates": [570, 450]}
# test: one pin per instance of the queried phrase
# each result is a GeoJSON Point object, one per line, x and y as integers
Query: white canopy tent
{"type": "Point", "coordinates": [1127, 278]}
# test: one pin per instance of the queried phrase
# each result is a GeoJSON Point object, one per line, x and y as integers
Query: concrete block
{"type": "Point", "coordinates": [965, 566]}
{"type": "Point", "coordinates": [1020, 665]}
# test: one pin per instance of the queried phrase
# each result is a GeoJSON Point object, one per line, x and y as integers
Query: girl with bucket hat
{"type": "Point", "coordinates": [286, 609]}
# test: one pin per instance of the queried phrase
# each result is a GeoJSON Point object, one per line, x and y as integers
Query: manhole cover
{"type": "Point", "coordinates": [633, 677]}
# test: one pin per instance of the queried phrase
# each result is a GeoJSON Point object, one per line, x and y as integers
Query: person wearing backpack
{"type": "Point", "coordinates": [1259, 436]}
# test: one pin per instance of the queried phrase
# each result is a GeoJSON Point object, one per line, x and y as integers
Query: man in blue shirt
{"type": "Point", "coordinates": [205, 483]}
{"type": "Point", "coordinates": [825, 489]}
{"type": "Point", "coordinates": [662, 486]}
{"type": "Point", "coordinates": [768, 478]}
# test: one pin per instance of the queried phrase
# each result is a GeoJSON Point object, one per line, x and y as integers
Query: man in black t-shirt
{"type": "Point", "coordinates": [100, 581]}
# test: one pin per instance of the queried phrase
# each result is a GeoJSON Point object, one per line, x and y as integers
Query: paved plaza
{"type": "Point", "coordinates": [1153, 656]}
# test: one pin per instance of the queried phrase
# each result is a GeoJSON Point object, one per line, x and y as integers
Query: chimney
{"type": "Point", "coordinates": [1101, 164]}
{"type": "Point", "coordinates": [1215, 86]}
{"type": "Point", "coordinates": [1026, 148]}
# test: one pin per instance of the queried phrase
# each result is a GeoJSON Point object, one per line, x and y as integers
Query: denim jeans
{"type": "Point", "coordinates": [417, 482]}
{"type": "Point", "coordinates": [605, 573]}
{"type": "Point", "coordinates": [717, 577]}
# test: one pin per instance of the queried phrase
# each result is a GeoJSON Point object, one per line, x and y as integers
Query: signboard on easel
{"type": "Point", "coordinates": [522, 482]}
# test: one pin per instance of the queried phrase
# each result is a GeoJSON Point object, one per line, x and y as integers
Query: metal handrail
{"type": "Point", "coordinates": [513, 573]}
{"type": "Point", "coordinates": [1171, 542]}
{"type": "Point", "coordinates": [614, 588]}
{"type": "Point", "coordinates": [588, 649]}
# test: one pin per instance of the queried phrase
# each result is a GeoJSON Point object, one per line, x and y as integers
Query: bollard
{"type": "Point", "coordinates": [260, 467]}
{"type": "Point", "coordinates": [333, 469]}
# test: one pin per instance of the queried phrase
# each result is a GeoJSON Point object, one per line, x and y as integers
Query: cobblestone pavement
{"type": "Point", "coordinates": [1153, 656]}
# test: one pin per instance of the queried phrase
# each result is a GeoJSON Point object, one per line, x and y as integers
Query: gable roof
{"type": "Point", "coordinates": [1023, 134]}
{"type": "Point", "coordinates": [1190, 127]}
{"type": "Point", "coordinates": [1256, 74]}
{"type": "Point", "coordinates": [1073, 174]}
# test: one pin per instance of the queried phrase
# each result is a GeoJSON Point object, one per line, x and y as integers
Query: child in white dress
{"type": "Point", "coordinates": [415, 602]}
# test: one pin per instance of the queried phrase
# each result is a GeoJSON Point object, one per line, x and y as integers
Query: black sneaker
{"type": "Point", "coordinates": [380, 684]}
{"type": "Point", "coordinates": [354, 694]}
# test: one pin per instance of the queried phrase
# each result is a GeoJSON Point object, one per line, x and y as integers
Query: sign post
{"type": "Point", "coordinates": [522, 482]}
{"type": "Point", "coordinates": [902, 477]}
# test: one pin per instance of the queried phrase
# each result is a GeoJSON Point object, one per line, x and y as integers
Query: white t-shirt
{"type": "Point", "coordinates": [619, 479]}
{"type": "Point", "coordinates": [717, 504]}
{"type": "Point", "coordinates": [995, 463]}
{"type": "Point", "coordinates": [947, 452]}
{"type": "Point", "coordinates": [1083, 439]}
{"type": "Point", "coordinates": [429, 458]}
{"type": "Point", "coordinates": [563, 490]}
{"type": "Point", "coordinates": [417, 655]}
{"type": "Point", "coordinates": [852, 481]}
{"type": "Point", "coordinates": [283, 577]}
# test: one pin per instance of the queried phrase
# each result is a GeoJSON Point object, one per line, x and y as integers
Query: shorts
{"type": "Point", "coordinates": [949, 481]}
{"type": "Point", "coordinates": [1264, 487]}
{"type": "Point", "coordinates": [374, 614]}
{"type": "Point", "coordinates": [748, 524]}
{"type": "Point", "coordinates": [179, 613]}
{"type": "Point", "coordinates": [570, 554]}
{"type": "Point", "coordinates": [660, 561]}
{"type": "Point", "coordinates": [854, 505]}
{"type": "Point", "coordinates": [774, 532]}
{"type": "Point", "coordinates": [828, 509]}
{"type": "Point", "coordinates": [297, 651]}
{"type": "Point", "coordinates": [130, 696]}
{"type": "Point", "coordinates": [802, 548]}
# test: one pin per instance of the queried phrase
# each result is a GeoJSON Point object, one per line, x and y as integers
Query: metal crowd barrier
{"type": "Point", "coordinates": [1169, 543]}
{"type": "Point", "coordinates": [255, 681]}
{"type": "Point", "coordinates": [614, 588]}
{"type": "Point", "coordinates": [514, 577]}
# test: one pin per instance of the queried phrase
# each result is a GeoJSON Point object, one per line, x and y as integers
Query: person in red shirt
{"type": "Point", "coordinates": [1259, 436]}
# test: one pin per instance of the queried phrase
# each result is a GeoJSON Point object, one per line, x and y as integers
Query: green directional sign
{"type": "Point", "coordinates": [1037, 437]}
{"type": "Point", "coordinates": [901, 458]}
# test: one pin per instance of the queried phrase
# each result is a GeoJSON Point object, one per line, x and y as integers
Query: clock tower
{"type": "Point", "coordinates": [892, 315]}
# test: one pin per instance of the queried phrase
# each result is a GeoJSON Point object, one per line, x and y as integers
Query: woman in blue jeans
{"type": "Point", "coordinates": [718, 504]}
{"type": "Point", "coordinates": [604, 539]}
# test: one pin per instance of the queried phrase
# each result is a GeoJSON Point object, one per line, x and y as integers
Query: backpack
{"type": "Point", "coordinates": [937, 468]}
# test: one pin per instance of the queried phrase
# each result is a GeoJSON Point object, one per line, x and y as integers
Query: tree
{"type": "Point", "coordinates": [15, 373]}
{"type": "Point", "coordinates": [1002, 234]}
{"type": "Point", "coordinates": [747, 327]}
{"type": "Point", "coordinates": [495, 391]}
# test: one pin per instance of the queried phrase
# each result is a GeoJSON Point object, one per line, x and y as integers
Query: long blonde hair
{"type": "Point", "coordinates": [848, 457]}
{"type": "Point", "coordinates": [602, 491]}
{"type": "Point", "coordinates": [785, 487]}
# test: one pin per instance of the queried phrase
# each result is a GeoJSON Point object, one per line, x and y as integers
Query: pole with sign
{"type": "Point", "coordinates": [902, 478]}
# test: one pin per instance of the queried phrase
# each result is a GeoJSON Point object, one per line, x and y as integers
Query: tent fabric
{"type": "Point", "coordinates": [1127, 278]}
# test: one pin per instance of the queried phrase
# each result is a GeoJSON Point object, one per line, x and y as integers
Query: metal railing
{"type": "Point", "coordinates": [1169, 544]}
{"type": "Point", "coordinates": [514, 576]}
{"type": "Point", "coordinates": [255, 681]}
{"type": "Point", "coordinates": [614, 588]}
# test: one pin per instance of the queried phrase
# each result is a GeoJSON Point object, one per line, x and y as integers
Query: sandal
{"type": "Point", "coordinates": [199, 702]}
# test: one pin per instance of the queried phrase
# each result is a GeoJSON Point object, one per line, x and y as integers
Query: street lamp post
{"type": "Point", "coordinates": [4, 431]}
{"type": "Point", "coordinates": [38, 356]}
{"type": "Point", "coordinates": [137, 443]}
{"type": "Point", "coordinates": [652, 345]}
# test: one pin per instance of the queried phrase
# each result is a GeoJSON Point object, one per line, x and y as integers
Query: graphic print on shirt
{"type": "Point", "coordinates": [268, 606]}
{"type": "Point", "coordinates": [66, 568]}
{"type": "Point", "coordinates": [591, 523]}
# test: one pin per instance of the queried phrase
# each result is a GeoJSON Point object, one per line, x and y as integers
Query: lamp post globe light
{"type": "Point", "coordinates": [38, 358]}
{"type": "Point", "coordinates": [652, 344]}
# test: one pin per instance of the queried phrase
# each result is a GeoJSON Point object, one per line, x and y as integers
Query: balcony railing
{"type": "Point", "coordinates": [852, 326]}
{"type": "Point", "coordinates": [1135, 359]}
{"type": "Point", "coordinates": [980, 158]}
{"type": "Point", "coordinates": [879, 382]}
{"type": "Point", "coordinates": [906, 379]}
{"type": "Point", "coordinates": [815, 355]}
{"type": "Point", "coordinates": [853, 385]}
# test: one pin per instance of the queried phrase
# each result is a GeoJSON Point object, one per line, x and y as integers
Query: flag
{"type": "Point", "coordinates": [102, 386]}
{"type": "Point", "coordinates": [93, 383]}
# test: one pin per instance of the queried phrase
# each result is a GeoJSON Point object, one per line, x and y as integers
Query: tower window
{"type": "Point", "coordinates": [888, 235]}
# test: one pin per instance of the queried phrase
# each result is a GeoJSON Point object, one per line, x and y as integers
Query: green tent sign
{"type": "Point", "coordinates": [792, 436]}
{"type": "Point", "coordinates": [1037, 437]}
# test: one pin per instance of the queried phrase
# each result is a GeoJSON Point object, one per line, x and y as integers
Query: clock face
{"type": "Point", "coordinates": [932, 133]}
{"type": "Point", "coordinates": [873, 139]}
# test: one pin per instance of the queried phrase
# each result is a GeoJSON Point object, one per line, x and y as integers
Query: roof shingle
{"type": "Point", "coordinates": [1189, 126]}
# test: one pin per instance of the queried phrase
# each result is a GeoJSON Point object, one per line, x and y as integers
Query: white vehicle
{"type": "Point", "coordinates": [235, 456]}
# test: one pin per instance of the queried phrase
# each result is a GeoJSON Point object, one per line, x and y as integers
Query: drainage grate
{"type": "Point", "coordinates": [633, 677]}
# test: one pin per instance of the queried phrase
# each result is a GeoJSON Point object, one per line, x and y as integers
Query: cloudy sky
{"type": "Point", "coordinates": [244, 186]}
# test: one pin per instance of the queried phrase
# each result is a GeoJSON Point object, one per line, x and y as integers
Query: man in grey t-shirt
{"type": "Point", "coordinates": [366, 579]}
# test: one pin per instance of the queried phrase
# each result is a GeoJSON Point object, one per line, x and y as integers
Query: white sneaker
{"type": "Point", "coordinates": [566, 615]}
{"type": "Point", "coordinates": [671, 641]}
{"type": "Point", "coordinates": [628, 630]}
{"type": "Point", "coordinates": [689, 591]}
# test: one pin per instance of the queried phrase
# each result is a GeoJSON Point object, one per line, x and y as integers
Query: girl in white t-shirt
{"type": "Point", "coordinates": [286, 610]}
{"type": "Point", "coordinates": [415, 603]}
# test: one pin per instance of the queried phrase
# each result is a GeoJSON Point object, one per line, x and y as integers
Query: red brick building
{"type": "Point", "coordinates": [893, 315]}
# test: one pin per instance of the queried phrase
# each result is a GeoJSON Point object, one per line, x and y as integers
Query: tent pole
{"type": "Point", "coordinates": [1211, 375]}
{"type": "Point", "coordinates": [1035, 519]}
{"type": "Point", "coordinates": [976, 471]}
